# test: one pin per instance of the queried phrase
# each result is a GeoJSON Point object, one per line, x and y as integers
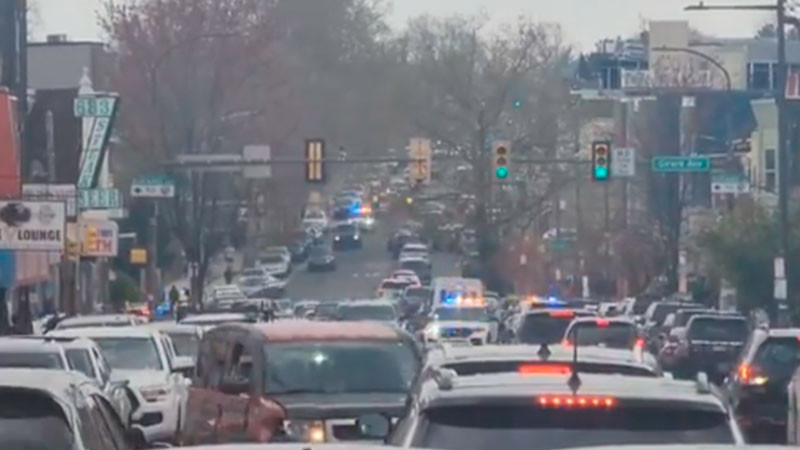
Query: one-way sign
{"type": "Point", "coordinates": [153, 186]}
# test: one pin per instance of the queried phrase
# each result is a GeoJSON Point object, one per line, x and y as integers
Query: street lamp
{"type": "Point", "coordinates": [780, 101]}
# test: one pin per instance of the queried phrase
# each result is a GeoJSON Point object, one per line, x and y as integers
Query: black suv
{"type": "Point", "coordinates": [710, 343]}
{"type": "Point", "coordinates": [757, 388]}
{"type": "Point", "coordinates": [346, 236]}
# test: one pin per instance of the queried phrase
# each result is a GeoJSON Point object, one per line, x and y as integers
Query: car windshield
{"type": "Point", "coordinates": [89, 323]}
{"type": "Point", "coordinates": [32, 421]}
{"type": "Point", "coordinates": [252, 273]}
{"type": "Point", "coordinates": [315, 215]}
{"type": "Point", "coordinates": [319, 252]}
{"type": "Point", "coordinates": [605, 334]}
{"type": "Point", "coordinates": [521, 365]}
{"type": "Point", "coordinates": [130, 353]}
{"type": "Point", "coordinates": [394, 285]}
{"type": "Point", "coordinates": [417, 266]}
{"type": "Point", "coordinates": [186, 344]}
{"type": "Point", "coordinates": [465, 314]}
{"type": "Point", "coordinates": [252, 281]}
{"type": "Point", "coordinates": [366, 312]}
{"type": "Point", "coordinates": [528, 428]}
{"type": "Point", "coordinates": [32, 360]}
{"type": "Point", "coordinates": [543, 328]}
{"type": "Point", "coordinates": [777, 358]}
{"type": "Point", "coordinates": [340, 367]}
{"type": "Point", "coordinates": [718, 329]}
{"type": "Point", "coordinates": [80, 360]}
{"type": "Point", "coordinates": [346, 229]}
{"type": "Point", "coordinates": [272, 259]}
{"type": "Point", "coordinates": [659, 311]}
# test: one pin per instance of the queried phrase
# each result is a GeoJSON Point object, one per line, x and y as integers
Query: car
{"type": "Point", "coordinates": [398, 240]}
{"type": "Point", "coordinates": [321, 258]}
{"type": "Point", "coordinates": [47, 409]}
{"type": "Point", "coordinates": [325, 310]}
{"type": "Point", "coordinates": [144, 357]}
{"type": "Point", "coordinates": [32, 353]}
{"type": "Point", "coordinates": [315, 219]}
{"type": "Point", "coordinates": [298, 380]}
{"type": "Point", "coordinates": [543, 326]}
{"type": "Point", "coordinates": [413, 250]}
{"type": "Point", "coordinates": [618, 332]}
{"type": "Point", "coordinates": [275, 264]}
{"type": "Point", "coordinates": [100, 320]}
{"type": "Point", "coordinates": [710, 343]}
{"type": "Point", "coordinates": [406, 275]}
{"type": "Point", "coordinates": [420, 265]}
{"type": "Point", "coordinates": [365, 221]}
{"type": "Point", "coordinates": [279, 250]}
{"type": "Point", "coordinates": [415, 300]}
{"type": "Point", "coordinates": [283, 308]}
{"type": "Point", "coordinates": [757, 387]}
{"type": "Point", "coordinates": [472, 325]}
{"type": "Point", "coordinates": [223, 296]}
{"type": "Point", "coordinates": [299, 249]}
{"type": "Point", "coordinates": [261, 286]}
{"type": "Point", "coordinates": [392, 289]}
{"type": "Point", "coordinates": [185, 337]}
{"type": "Point", "coordinates": [210, 320]}
{"type": "Point", "coordinates": [553, 409]}
{"type": "Point", "coordinates": [305, 308]}
{"type": "Point", "coordinates": [357, 310]}
{"type": "Point", "coordinates": [654, 319]}
{"type": "Point", "coordinates": [346, 236]}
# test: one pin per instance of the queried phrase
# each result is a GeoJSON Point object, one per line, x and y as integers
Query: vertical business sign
{"type": "Point", "coordinates": [103, 111]}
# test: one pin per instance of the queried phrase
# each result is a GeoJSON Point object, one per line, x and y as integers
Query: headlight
{"type": "Point", "coordinates": [356, 237]}
{"type": "Point", "coordinates": [155, 393]}
{"type": "Point", "coordinates": [313, 432]}
{"type": "Point", "coordinates": [336, 238]}
{"type": "Point", "coordinates": [433, 331]}
{"type": "Point", "coordinates": [369, 221]}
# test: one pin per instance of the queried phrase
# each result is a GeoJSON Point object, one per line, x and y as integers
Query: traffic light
{"type": "Point", "coordinates": [419, 153]}
{"type": "Point", "coordinates": [517, 104]}
{"type": "Point", "coordinates": [501, 159]}
{"type": "Point", "coordinates": [315, 160]}
{"type": "Point", "coordinates": [601, 160]}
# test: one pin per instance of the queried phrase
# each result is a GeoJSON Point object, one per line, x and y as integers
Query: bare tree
{"type": "Point", "coordinates": [196, 76]}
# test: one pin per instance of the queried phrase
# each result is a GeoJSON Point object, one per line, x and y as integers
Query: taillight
{"type": "Point", "coordinates": [572, 401]}
{"type": "Point", "coordinates": [562, 313]}
{"type": "Point", "coordinates": [602, 322]}
{"type": "Point", "coordinates": [639, 343]}
{"type": "Point", "coordinates": [745, 372]}
{"type": "Point", "coordinates": [749, 375]}
{"type": "Point", "coordinates": [566, 343]}
{"type": "Point", "coordinates": [544, 369]}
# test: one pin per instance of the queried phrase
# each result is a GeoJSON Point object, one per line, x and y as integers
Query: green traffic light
{"type": "Point", "coordinates": [601, 173]}
{"type": "Point", "coordinates": [502, 173]}
{"type": "Point", "coordinates": [517, 104]}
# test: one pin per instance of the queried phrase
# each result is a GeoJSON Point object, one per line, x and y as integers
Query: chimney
{"type": "Point", "coordinates": [56, 38]}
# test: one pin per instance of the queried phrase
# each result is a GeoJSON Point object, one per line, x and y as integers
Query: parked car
{"type": "Point", "coordinates": [100, 320]}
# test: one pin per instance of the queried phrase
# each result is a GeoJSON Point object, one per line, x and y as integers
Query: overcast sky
{"type": "Point", "coordinates": [584, 21]}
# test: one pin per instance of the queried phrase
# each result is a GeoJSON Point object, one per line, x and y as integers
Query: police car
{"type": "Point", "coordinates": [550, 409]}
{"type": "Point", "coordinates": [467, 322]}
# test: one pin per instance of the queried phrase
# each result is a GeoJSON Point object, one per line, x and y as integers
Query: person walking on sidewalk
{"type": "Point", "coordinates": [228, 275]}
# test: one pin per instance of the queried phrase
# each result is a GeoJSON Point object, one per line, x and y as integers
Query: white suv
{"type": "Point", "coordinates": [145, 357]}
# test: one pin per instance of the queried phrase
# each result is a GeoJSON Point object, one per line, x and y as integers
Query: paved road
{"type": "Point", "coordinates": [359, 271]}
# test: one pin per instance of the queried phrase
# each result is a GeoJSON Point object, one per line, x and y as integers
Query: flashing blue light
{"type": "Point", "coordinates": [355, 209]}
{"type": "Point", "coordinates": [552, 299]}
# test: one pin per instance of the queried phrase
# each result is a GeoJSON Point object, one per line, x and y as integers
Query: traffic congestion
{"type": "Point", "coordinates": [378, 224]}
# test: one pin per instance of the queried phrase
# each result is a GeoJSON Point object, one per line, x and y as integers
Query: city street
{"type": "Point", "coordinates": [358, 272]}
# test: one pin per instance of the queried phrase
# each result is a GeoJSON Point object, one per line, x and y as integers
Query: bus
{"type": "Point", "coordinates": [457, 291]}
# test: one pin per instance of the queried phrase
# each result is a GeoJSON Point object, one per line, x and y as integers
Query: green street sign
{"type": "Point", "coordinates": [104, 198]}
{"type": "Point", "coordinates": [681, 164]}
{"type": "Point", "coordinates": [560, 245]}
{"type": "Point", "coordinates": [94, 106]}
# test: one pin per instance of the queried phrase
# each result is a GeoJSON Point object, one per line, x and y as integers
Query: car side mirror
{"type": "Point", "coordinates": [375, 426]}
{"type": "Point", "coordinates": [183, 365]}
{"type": "Point", "coordinates": [136, 439]}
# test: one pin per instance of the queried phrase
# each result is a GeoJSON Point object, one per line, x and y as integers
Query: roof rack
{"type": "Point", "coordinates": [702, 384]}
{"type": "Point", "coordinates": [444, 378]}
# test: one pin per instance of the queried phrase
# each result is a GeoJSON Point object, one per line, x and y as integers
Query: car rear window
{"type": "Point", "coordinates": [530, 428]}
{"type": "Point", "coordinates": [32, 421]}
{"type": "Point", "coordinates": [80, 360]}
{"type": "Point", "coordinates": [777, 357]}
{"type": "Point", "coordinates": [366, 312]}
{"type": "Point", "coordinates": [602, 333]}
{"type": "Point", "coordinates": [717, 329]}
{"type": "Point", "coordinates": [545, 327]}
{"type": "Point", "coordinates": [38, 360]}
{"type": "Point", "coordinates": [346, 228]}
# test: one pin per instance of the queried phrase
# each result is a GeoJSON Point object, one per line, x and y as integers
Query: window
{"type": "Point", "coordinates": [759, 76]}
{"type": "Point", "coordinates": [131, 353]}
{"type": "Point", "coordinates": [112, 422]}
{"type": "Point", "coordinates": [29, 419]}
{"type": "Point", "coordinates": [90, 432]}
{"type": "Point", "coordinates": [102, 366]}
{"type": "Point", "coordinates": [80, 360]}
{"type": "Point", "coordinates": [770, 170]}
{"type": "Point", "coordinates": [241, 365]}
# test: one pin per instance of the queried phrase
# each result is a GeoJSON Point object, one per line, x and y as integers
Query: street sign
{"type": "Point", "coordinates": [623, 162]}
{"type": "Point", "coordinates": [257, 152]}
{"type": "Point", "coordinates": [729, 183]}
{"type": "Point", "coordinates": [106, 198]}
{"type": "Point", "coordinates": [93, 154]}
{"type": "Point", "coordinates": [66, 193]}
{"type": "Point", "coordinates": [560, 245]}
{"type": "Point", "coordinates": [32, 225]}
{"type": "Point", "coordinates": [681, 164]}
{"type": "Point", "coordinates": [153, 186]}
{"type": "Point", "coordinates": [99, 238]}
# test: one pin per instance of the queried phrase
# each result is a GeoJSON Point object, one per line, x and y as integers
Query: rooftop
{"type": "Point", "coordinates": [102, 332]}
{"type": "Point", "coordinates": [305, 330]}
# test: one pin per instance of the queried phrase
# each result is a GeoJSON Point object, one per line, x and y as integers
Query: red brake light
{"type": "Point", "coordinates": [639, 343]}
{"type": "Point", "coordinates": [602, 322]}
{"type": "Point", "coordinates": [544, 369]}
{"type": "Point", "coordinates": [745, 372]}
{"type": "Point", "coordinates": [557, 401]}
{"type": "Point", "coordinates": [562, 313]}
{"type": "Point", "coordinates": [566, 343]}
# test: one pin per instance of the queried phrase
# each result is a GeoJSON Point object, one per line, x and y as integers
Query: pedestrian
{"type": "Point", "coordinates": [228, 275]}
{"type": "Point", "coordinates": [174, 296]}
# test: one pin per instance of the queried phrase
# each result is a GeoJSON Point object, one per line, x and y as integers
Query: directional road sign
{"type": "Point", "coordinates": [153, 186]}
{"type": "Point", "coordinates": [681, 164]}
{"type": "Point", "coordinates": [729, 183]}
